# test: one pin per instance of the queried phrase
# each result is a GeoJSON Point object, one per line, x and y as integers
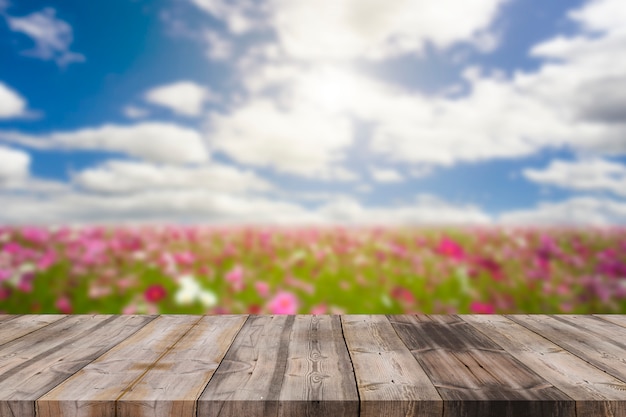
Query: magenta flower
{"type": "Point", "coordinates": [450, 248]}
{"type": "Point", "coordinates": [283, 303]}
{"type": "Point", "coordinates": [482, 308]}
{"type": "Point", "coordinates": [155, 293]}
{"type": "Point", "coordinates": [46, 261]}
{"type": "Point", "coordinates": [35, 234]}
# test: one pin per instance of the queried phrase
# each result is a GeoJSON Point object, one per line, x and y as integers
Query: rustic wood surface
{"type": "Point", "coordinates": [304, 365]}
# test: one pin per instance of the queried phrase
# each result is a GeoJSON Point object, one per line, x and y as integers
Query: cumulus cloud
{"type": "Point", "coordinates": [575, 100]}
{"type": "Point", "coordinates": [219, 48]}
{"type": "Point", "coordinates": [51, 35]}
{"type": "Point", "coordinates": [184, 97]}
{"type": "Point", "coordinates": [156, 142]}
{"type": "Point", "coordinates": [210, 207]}
{"type": "Point", "coordinates": [129, 177]}
{"type": "Point", "coordinates": [297, 141]}
{"type": "Point", "coordinates": [574, 211]}
{"type": "Point", "coordinates": [425, 210]}
{"type": "Point", "coordinates": [240, 16]}
{"type": "Point", "coordinates": [14, 164]}
{"type": "Point", "coordinates": [376, 28]}
{"type": "Point", "coordinates": [12, 104]}
{"type": "Point", "coordinates": [386, 175]}
{"type": "Point", "coordinates": [181, 206]}
{"type": "Point", "coordinates": [584, 175]}
{"type": "Point", "coordinates": [601, 15]}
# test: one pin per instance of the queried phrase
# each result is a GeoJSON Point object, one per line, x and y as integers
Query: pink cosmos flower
{"type": "Point", "coordinates": [13, 248]}
{"type": "Point", "coordinates": [63, 305]}
{"type": "Point", "coordinates": [155, 293]}
{"type": "Point", "coordinates": [235, 278]}
{"type": "Point", "coordinates": [35, 234]}
{"type": "Point", "coordinates": [283, 303]}
{"type": "Point", "coordinates": [450, 248]}
{"type": "Point", "coordinates": [482, 308]}
{"type": "Point", "coordinates": [403, 295]}
{"type": "Point", "coordinates": [262, 288]}
{"type": "Point", "coordinates": [184, 258]}
{"type": "Point", "coordinates": [46, 261]}
{"type": "Point", "coordinates": [5, 274]}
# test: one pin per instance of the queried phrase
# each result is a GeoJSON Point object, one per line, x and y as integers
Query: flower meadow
{"type": "Point", "coordinates": [316, 270]}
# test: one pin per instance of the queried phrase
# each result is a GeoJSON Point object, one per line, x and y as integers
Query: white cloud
{"type": "Point", "coordinates": [183, 97]}
{"type": "Point", "coordinates": [585, 175]}
{"type": "Point", "coordinates": [157, 142]}
{"type": "Point", "coordinates": [15, 175]}
{"type": "Point", "coordinates": [133, 112]}
{"type": "Point", "coordinates": [386, 175]}
{"type": "Point", "coordinates": [600, 15]}
{"type": "Point", "coordinates": [426, 210]}
{"type": "Point", "coordinates": [330, 29]}
{"type": "Point", "coordinates": [240, 16]}
{"type": "Point", "coordinates": [182, 206]}
{"type": "Point", "coordinates": [204, 206]}
{"type": "Point", "coordinates": [218, 47]}
{"type": "Point", "coordinates": [14, 164]}
{"type": "Point", "coordinates": [575, 211]}
{"type": "Point", "coordinates": [52, 36]}
{"type": "Point", "coordinates": [11, 103]}
{"type": "Point", "coordinates": [129, 177]}
{"type": "Point", "coordinates": [297, 141]}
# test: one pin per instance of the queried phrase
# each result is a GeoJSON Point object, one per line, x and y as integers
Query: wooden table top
{"type": "Point", "coordinates": [349, 365]}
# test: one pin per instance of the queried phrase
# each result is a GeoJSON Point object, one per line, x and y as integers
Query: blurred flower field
{"type": "Point", "coordinates": [205, 270]}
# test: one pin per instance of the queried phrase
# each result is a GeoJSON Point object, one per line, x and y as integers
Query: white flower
{"type": "Point", "coordinates": [190, 291]}
{"type": "Point", "coordinates": [208, 298]}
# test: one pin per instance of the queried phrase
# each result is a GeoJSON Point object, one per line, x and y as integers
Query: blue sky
{"type": "Point", "coordinates": [299, 112]}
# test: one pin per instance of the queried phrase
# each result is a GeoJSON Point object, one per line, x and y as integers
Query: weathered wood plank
{"type": "Point", "coordinates": [618, 319]}
{"type": "Point", "coordinates": [596, 393]}
{"type": "Point", "coordinates": [597, 341]}
{"type": "Point", "coordinates": [94, 390]}
{"type": "Point", "coordinates": [249, 380]}
{"type": "Point", "coordinates": [39, 361]}
{"type": "Point", "coordinates": [172, 387]}
{"type": "Point", "coordinates": [14, 327]}
{"type": "Point", "coordinates": [284, 366]}
{"type": "Point", "coordinates": [319, 380]}
{"type": "Point", "coordinates": [390, 381]}
{"type": "Point", "coordinates": [473, 374]}
{"type": "Point", "coordinates": [6, 317]}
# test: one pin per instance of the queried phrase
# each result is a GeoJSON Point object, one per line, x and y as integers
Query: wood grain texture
{"type": "Point", "coordinates": [95, 389]}
{"type": "Point", "coordinates": [249, 380]}
{"type": "Point", "coordinates": [319, 380]}
{"type": "Point", "coordinates": [14, 327]}
{"type": "Point", "coordinates": [473, 374]}
{"type": "Point", "coordinates": [597, 394]}
{"type": "Point", "coordinates": [390, 381]}
{"type": "Point", "coordinates": [284, 366]}
{"type": "Point", "coordinates": [172, 386]}
{"type": "Point", "coordinates": [453, 366]}
{"type": "Point", "coordinates": [595, 340]}
{"type": "Point", "coordinates": [39, 361]}
{"type": "Point", "coordinates": [618, 319]}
